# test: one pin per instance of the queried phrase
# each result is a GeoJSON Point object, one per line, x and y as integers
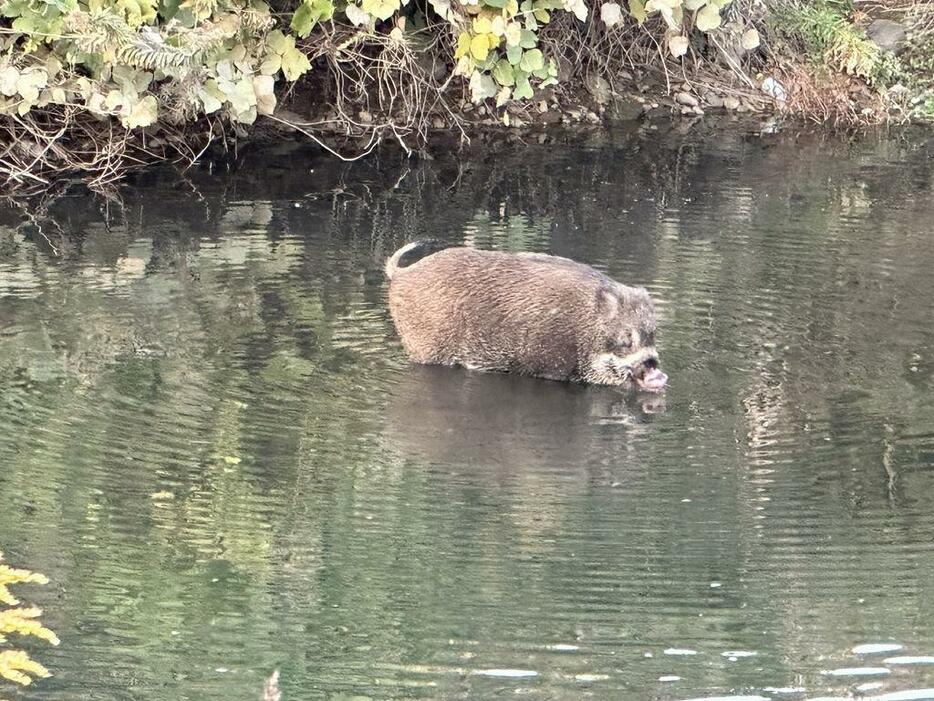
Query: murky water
{"type": "Point", "coordinates": [212, 443]}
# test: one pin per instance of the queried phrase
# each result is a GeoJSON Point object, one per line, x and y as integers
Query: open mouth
{"type": "Point", "coordinates": [652, 380]}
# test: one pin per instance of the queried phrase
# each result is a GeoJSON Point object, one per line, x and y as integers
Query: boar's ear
{"type": "Point", "coordinates": [607, 301]}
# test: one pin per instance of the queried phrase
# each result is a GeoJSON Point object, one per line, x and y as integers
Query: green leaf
{"type": "Point", "coordinates": [481, 87]}
{"type": "Point", "coordinates": [278, 42]}
{"type": "Point", "coordinates": [523, 89]}
{"type": "Point", "coordinates": [381, 9]}
{"type": "Point", "coordinates": [294, 64]}
{"type": "Point", "coordinates": [503, 73]}
{"type": "Point", "coordinates": [357, 16]}
{"type": "Point", "coordinates": [28, 84]}
{"type": "Point", "coordinates": [528, 40]}
{"type": "Point", "coordinates": [271, 65]}
{"type": "Point", "coordinates": [495, 3]}
{"type": "Point", "coordinates": [212, 99]}
{"type": "Point", "coordinates": [243, 96]}
{"type": "Point", "coordinates": [303, 20]}
{"type": "Point", "coordinates": [142, 114]}
{"type": "Point", "coordinates": [514, 54]}
{"type": "Point", "coordinates": [707, 18]}
{"type": "Point", "coordinates": [637, 10]}
{"type": "Point", "coordinates": [532, 60]}
{"type": "Point", "coordinates": [309, 14]}
{"type": "Point", "coordinates": [513, 34]}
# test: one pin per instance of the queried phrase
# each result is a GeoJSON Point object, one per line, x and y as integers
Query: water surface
{"type": "Point", "coordinates": [212, 443]}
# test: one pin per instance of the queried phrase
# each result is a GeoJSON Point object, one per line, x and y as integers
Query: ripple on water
{"type": "Point", "coordinates": [875, 648]}
{"type": "Point", "coordinates": [856, 672]}
{"type": "Point", "coordinates": [906, 695]}
{"type": "Point", "coordinates": [910, 659]}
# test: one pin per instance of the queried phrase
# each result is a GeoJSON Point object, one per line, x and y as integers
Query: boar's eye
{"type": "Point", "coordinates": [624, 341]}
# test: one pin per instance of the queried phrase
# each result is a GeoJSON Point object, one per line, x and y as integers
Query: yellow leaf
{"type": "Point", "coordinates": [463, 45]}
{"type": "Point", "coordinates": [637, 10]}
{"type": "Point", "coordinates": [480, 47]}
{"type": "Point", "coordinates": [482, 25]}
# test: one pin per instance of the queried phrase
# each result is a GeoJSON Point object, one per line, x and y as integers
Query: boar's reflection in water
{"type": "Point", "coordinates": [456, 417]}
{"type": "Point", "coordinates": [526, 313]}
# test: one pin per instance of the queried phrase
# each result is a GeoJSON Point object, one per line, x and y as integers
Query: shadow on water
{"type": "Point", "coordinates": [212, 443]}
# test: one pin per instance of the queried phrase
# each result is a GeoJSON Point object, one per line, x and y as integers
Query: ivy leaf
{"type": "Point", "coordinates": [678, 45]}
{"type": "Point", "coordinates": [503, 73]}
{"type": "Point", "coordinates": [28, 84]}
{"type": "Point", "coordinates": [8, 78]}
{"type": "Point", "coordinates": [523, 89]}
{"type": "Point", "coordinates": [513, 34]}
{"type": "Point", "coordinates": [278, 43]}
{"type": "Point", "coordinates": [242, 97]}
{"type": "Point", "coordinates": [357, 16]}
{"type": "Point", "coordinates": [381, 9]}
{"type": "Point", "coordinates": [578, 7]}
{"type": "Point", "coordinates": [212, 99]}
{"type": "Point", "coordinates": [482, 25]}
{"type": "Point", "coordinates": [479, 47]}
{"type": "Point", "coordinates": [265, 95]}
{"type": "Point", "coordinates": [611, 14]}
{"type": "Point", "coordinates": [637, 10]}
{"type": "Point", "coordinates": [137, 12]}
{"type": "Point", "coordinates": [463, 44]}
{"type": "Point", "coordinates": [142, 114]}
{"type": "Point", "coordinates": [707, 18]}
{"type": "Point", "coordinates": [271, 65]}
{"type": "Point", "coordinates": [528, 40]}
{"type": "Point", "coordinates": [294, 64]}
{"type": "Point", "coordinates": [750, 39]}
{"type": "Point", "coordinates": [532, 60]}
{"type": "Point", "coordinates": [481, 87]}
{"type": "Point", "coordinates": [514, 54]}
{"type": "Point", "coordinates": [303, 20]}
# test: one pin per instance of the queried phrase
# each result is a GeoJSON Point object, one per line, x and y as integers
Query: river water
{"type": "Point", "coordinates": [213, 445]}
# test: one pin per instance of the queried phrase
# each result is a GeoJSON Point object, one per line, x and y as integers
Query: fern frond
{"type": "Point", "coordinates": [98, 30]}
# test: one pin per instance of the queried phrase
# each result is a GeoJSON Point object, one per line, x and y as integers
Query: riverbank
{"type": "Point", "coordinates": [94, 94]}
